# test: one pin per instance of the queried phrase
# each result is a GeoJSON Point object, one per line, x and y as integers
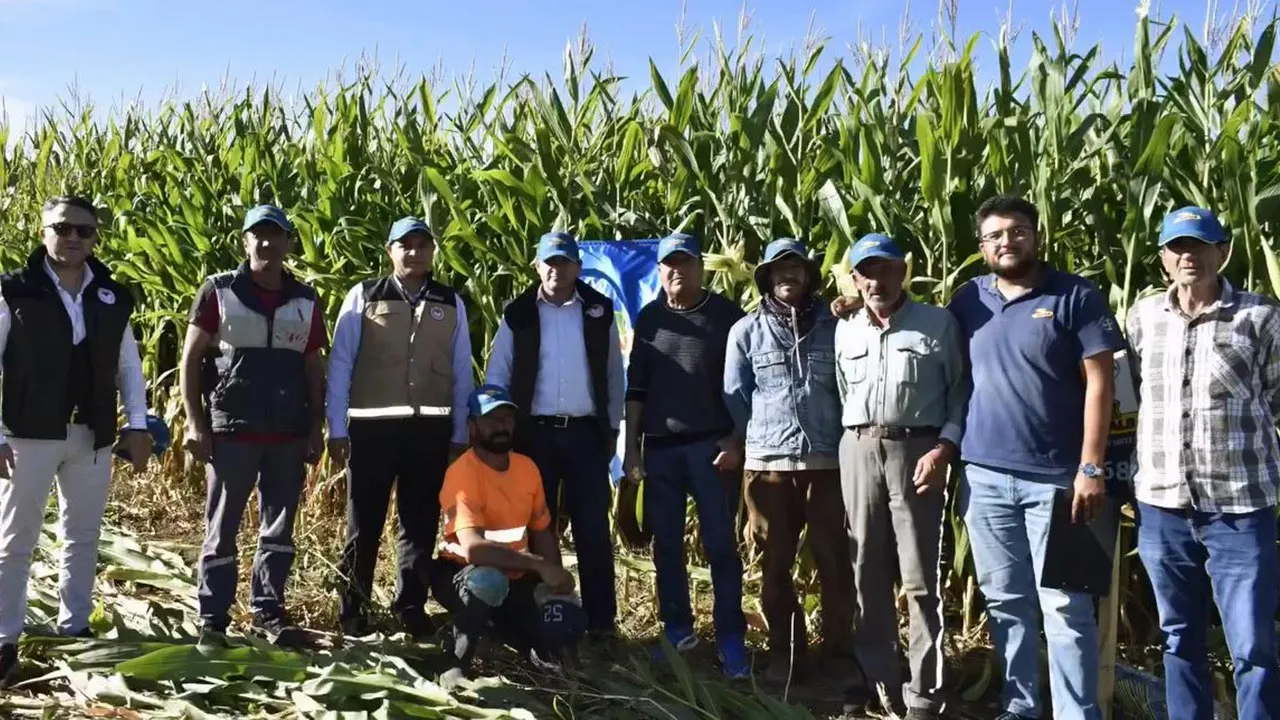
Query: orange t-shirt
{"type": "Point", "coordinates": [503, 506]}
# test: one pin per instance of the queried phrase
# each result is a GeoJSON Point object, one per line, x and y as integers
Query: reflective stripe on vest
{"type": "Point", "coordinates": [399, 411]}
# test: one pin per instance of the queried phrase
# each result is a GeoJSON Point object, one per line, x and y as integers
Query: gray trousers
{"type": "Point", "coordinates": [892, 527]}
{"type": "Point", "coordinates": [279, 470]}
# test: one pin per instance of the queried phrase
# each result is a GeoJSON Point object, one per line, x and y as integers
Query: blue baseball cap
{"type": "Point", "coordinates": [487, 398]}
{"type": "Point", "coordinates": [678, 243]}
{"type": "Point", "coordinates": [406, 225]}
{"type": "Point", "coordinates": [158, 430]}
{"type": "Point", "coordinates": [558, 244]}
{"type": "Point", "coordinates": [1192, 222]}
{"type": "Point", "coordinates": [267, 213]}
{"type": "Point", "coordinates": [783, 247]}
{"type": "Point", "coordinates": [874, 245]}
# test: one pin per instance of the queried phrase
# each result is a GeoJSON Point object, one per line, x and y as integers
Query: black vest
{"type": "Point", "coordinates": [526, 335]}
{"type": "Point", "coordinates": [47, 381]}
{"type": "Point", "coordinates": [254, 376]}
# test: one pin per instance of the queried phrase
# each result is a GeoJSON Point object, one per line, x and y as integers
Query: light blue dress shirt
{"type": "Point", "coordinates": [563, 386]}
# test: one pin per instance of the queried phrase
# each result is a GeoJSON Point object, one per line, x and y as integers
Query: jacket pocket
{"type": "Point", "coordinates": [770, 369]}
{"type": "Point", "coordinates": [822, 368]}
{"type": "Point", "coordinates": [1230, 371]}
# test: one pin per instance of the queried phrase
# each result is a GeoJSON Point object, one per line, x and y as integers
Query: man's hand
{"type": "Point", "coordinates": [6, 461]}
{"type": "Point", "coordinates": [846, 305]}
{"type": "Point", "coordinates": [931, 471]}
{"type": "Point", "coordinates": [1087, 501]}
{"type": "Point", "coordinates": [632, 464]}
{"type": "Point", "coordinates": [556, 578]}
{"type": "Point", "coordinates": [339, 450]}
{"type": "Point", "coordinates": [456, 450]}
{"type": "Point", "coordinates": [139, 445]}
{"type": "Point", "coordinates": [315, 444]}
{"type": "Point", "coordinates": [730, 455]}
{"type": "Point", "coordinates": [199, 443]}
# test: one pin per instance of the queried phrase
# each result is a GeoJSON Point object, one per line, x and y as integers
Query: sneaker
{"type": "Point", "coordinates": [890, 701]}
{"type": "Point", "coordinates": [1013, 716]}
{"type": "Point", "coordinates": [212, 638]}
{"type": "Point", "coordinates": [416, 623]}
{"type": "Point", "coordinates": [450, 679]}
{"type": "Point", "coordinates": [8, 664]}
{"type": "Point", "coordinates": [682, 639]}
{"type": "Point", "coordinates": [733, 658]}
{"type": "Point", "coordinates": [85, 632]}
{"type": "Point", "coordinates": [545, 661]}
{"type": "Point", "coordinates": [278, 630]}
{"type": "Point", "coordinates": [922, 714]}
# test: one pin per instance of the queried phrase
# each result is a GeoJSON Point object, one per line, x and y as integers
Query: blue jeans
{"type": "Point", "coordinates": [1193, 558]}
{"type": "Point", "coordinates": [672, 474]}
{"type": "Point", "coordinates": [1007, 516]}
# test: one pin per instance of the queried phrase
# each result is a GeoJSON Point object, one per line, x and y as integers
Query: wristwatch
{"type": "Point", "coordinates": [1090, 470]}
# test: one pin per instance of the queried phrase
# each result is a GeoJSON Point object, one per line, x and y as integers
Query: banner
{"type": "Point", "coordinates": [626, 271]}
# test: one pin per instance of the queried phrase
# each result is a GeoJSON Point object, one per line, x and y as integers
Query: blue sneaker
{"type": "Point", "coordinates": [734, 659]}
{"type": "Point", "coordinates": [682, 639]}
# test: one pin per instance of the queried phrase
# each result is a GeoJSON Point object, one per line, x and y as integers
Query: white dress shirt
{"type": "Point", "coordinates": [563, 385]}
{"type": "Point", "coordinates": [133, 387]}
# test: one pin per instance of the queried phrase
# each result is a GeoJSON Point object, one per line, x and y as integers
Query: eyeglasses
{"type": "Point", "coordinates": [1017, 233]}
{"type": "Point", "coordinates": [65, 228]}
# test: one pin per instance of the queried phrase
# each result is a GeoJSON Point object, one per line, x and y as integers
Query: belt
{"type": "Point", "coordinates": [562, 421]}
{"type": "Point", "coordinates": [894, 432]}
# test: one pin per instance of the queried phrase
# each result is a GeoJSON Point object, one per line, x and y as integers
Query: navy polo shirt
{"type": "Point", "coordinates": [1026, 412]}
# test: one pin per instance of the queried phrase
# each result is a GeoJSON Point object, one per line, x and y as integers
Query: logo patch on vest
{"type": "Point", "coordinates": [437, 313]}
{"type": "Point", "coordinates": [596, 311]}
{"type": "Point", "coordinates": [106, 296]}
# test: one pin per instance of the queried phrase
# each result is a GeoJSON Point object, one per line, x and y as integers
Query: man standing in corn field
{"type": "Point", "coordinates": [1041, 346]}
{"type": "Point", "coordinates": [399, 378]}
{"type": "Point", "coordinates": [903, 381]}
{"type": "Point", "coordinates": [1209, 467]}
{"type": "Point", "coordinates": [674, 402]}
{"type": "Point", "coordinates": [780, 388]}
{"type": "Point", "coordinates": [253, 389]}
{"type": "Point", "coordinates": [68, 353]}
{"type": "Point", "coordinates": [558, 353]}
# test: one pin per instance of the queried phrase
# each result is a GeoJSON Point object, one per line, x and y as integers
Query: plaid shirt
{"type": "Point", "coordinates": [1210, 397]}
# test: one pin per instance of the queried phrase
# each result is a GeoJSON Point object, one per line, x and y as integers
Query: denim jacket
{"type": "Point", "coordinates": [784, 399]}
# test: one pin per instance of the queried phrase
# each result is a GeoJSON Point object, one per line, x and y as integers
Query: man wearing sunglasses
{"type": "Point", "coordinates": [253, 390]}
{"type": "Point", "coordinates": [68, 349]}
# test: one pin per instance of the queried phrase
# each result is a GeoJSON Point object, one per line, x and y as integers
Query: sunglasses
{"type": "Point", "coordinates": [65, 228]}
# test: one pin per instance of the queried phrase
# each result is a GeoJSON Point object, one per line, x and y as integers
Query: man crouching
{"type": "Point", "coordinates": [500, 561]}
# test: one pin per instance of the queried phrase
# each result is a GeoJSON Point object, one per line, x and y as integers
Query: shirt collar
{"type": "Point", "coordinates": [573, 299]}
{"type": "Point", "coordinates": [1226, 299]}
{"type": "Point", "coordinates": [88, 277]}
{"type": "Point", "coordinates": [1047, 276]}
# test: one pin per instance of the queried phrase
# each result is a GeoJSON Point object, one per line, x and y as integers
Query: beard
{"type": "Point", "coordinates": [497, 443]}
{"type": "Point", "coordinates": [1020, 269]}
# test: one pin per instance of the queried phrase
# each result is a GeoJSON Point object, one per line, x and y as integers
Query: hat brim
{"type": "Point", "coordinates": [425, 232]}
{"type": "Point", "coordinates": [558, 254]}
{"type": "Point", "coordinates": [678, 251]}
{"type": "Point", "coordinates": [495, 406]}
{"type": "Point", "coordinates": [1193, 236]}
{"type": "Point", "coordinates": [855, 262]}
{"type": "Point", "coordinates": [270, 221]}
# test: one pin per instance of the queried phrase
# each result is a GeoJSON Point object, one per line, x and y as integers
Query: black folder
{"type": "Point", "coordinates": [1077, 556]}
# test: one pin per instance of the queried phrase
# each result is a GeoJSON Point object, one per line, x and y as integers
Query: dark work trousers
{"type": "Point", "coordinates": [476, 596]}
{"type": "Point", "coordinates": [279, 471]}
{"type": "Point", "coordinates": [782, 504]}
{"type": "Point", "coordinates": [575, 457]}
{"type": "Point", "coordinates": [411, 454]}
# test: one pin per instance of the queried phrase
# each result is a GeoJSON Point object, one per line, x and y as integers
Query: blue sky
{"type": "Point", "coordinates": [113, 49]}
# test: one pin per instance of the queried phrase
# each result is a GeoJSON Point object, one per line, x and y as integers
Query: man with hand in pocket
{"type": "Point", "coordinates": [1209, 467]}
{"type": "Point", "coordinates": [903, 383]}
